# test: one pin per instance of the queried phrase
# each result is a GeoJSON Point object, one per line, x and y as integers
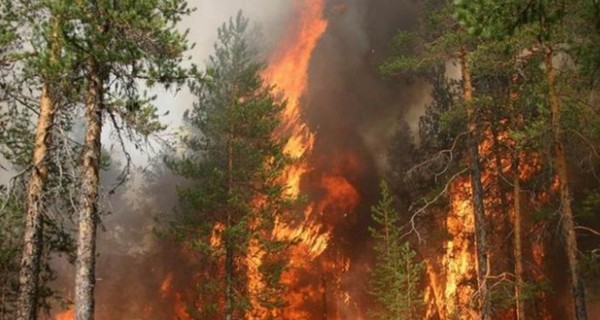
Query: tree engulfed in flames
{"type": "Point", "coordinates": [452, 277]}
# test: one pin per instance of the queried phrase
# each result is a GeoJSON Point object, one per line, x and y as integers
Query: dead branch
{"type": "Point", "coordinates": [590, 230]}
{"type": "Point", "coordinates": [427, 204]}
{"type": "Point", "coordinates": [439, 155]}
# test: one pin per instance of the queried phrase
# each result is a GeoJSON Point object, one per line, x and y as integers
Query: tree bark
{"type": "Point", "coordinates": [517, 120]}
{"type": "Point", "coordinates": [478, 190]}
{"type": "Point", "coordinates": [33, 229]}
{"type": "Point", "coordinates": [88, 215]}
{"type": "Point", "coordinates": [33, 233]}
{"type": "Point", "coordinates": [517, 238]}
{"type": "Point", "coordinates": [568, 223]}
{"type": "Point", "coordinates": [229, 267]}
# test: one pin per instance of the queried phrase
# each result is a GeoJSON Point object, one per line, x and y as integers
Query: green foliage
{"type": "Point", "coordinates": [499, 19]}
{"type": "Point", "coordinates": [234, 162]}
{"type": "Point", "coordinates": [403, 60]}
{"type": "Point", "coordinates": [396, 276]}
{"type": "Point", "coordinates": [590, 204]}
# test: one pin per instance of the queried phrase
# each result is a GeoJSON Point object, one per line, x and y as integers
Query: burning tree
{"type": "Point", "coordinates": [234, 163]}
{"type": "Point", "coordinates": [515, 99]}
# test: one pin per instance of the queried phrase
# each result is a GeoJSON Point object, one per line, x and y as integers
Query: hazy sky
{"type": "Point", "coordinates": [202, 25]}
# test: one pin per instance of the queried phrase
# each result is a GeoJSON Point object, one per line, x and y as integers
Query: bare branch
{"type": "Point", "coordinates": [427, 204]}
{"type": "Point", "coordinates": [127, 169]}
{"type": "Point", "coordinates": [439, 155]}
{"type": "Point", "coordinates": [590, 230]}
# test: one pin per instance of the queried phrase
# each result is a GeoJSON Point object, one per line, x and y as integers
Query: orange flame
{"type": "Point", "coordinates": [288, 70]}
{"type": "Point", "coordinates": [452, 283]}
{"type": "Point", "coordinates": [68, 314]}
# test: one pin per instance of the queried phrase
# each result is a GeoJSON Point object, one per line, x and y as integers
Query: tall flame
{"type": "Point", "coordinates": [288, 70]}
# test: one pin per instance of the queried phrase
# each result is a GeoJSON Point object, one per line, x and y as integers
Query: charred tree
{"type": "Point", "coordinates": [517, 119]}
{"type": "Point", "coordinates": [229, 245]}
{"type": "Point", "coordinates": [568, 223]}
{"type": "Point", "coordinates": [478, 192]}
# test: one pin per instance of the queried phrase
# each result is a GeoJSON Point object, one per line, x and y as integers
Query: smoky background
{"type": "Point", "coordinates": [351, 108]}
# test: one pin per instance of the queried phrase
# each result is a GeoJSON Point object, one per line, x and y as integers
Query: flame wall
{"type": "Point", "coordinates": [343, 107]}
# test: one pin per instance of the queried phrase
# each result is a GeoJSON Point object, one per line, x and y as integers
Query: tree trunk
{"type": "Point", "coordinates": [229, 278]}
{"type": "Point", "coordinates": [32, 238]}
{"type": "Point", "coordinates": [33, 229]}
{"type": "Point", "coordinates": [477, 186]}
{"type": "Point", "coordinates": [568, 224]}
{"type": "Point", "coordinates": [518, 249]}
{"type": "Point", "coordinates": [517, 214]}
{"type": "Point", "coordinates": [88, 215]}
{"type": "Point", "coordinates": [228, 241]}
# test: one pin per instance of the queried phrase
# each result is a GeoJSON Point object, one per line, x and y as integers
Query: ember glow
{"type": "Point", "coordinates": [65, 315]}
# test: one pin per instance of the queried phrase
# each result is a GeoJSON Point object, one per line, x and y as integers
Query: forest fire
{"type": "Point", "coordinates": [288, 71]}
{"type": "Point", "coordinates": [484, 150]}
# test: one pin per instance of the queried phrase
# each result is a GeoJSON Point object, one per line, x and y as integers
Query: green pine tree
{"type": "Point", "coordinates": [115, 47]}
{"type": "Point", "coordinates": [396, 276]}
{"type": "Point", "coordinates": [234, 163]}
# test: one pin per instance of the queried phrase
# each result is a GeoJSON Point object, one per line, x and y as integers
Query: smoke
{"type": "Point", "coordinates": [350, 107]}
{"type": "Point", "coordinates": [133, 260]}
{"type": "Point", "coordinates": [202, 24]}
{"type": "Point", "coordinates": [350, 101]}
{"type": "Point", "coordinates": [354, 112]}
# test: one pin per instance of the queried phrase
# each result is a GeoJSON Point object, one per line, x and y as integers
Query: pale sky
{"type": "Point", "coordinates": [202, 25]}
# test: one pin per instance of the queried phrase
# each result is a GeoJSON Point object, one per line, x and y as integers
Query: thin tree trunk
{"type": "Point", "coordinates": [229, 279]}
{"type": "Point", "coordinates": [32, 238]}
{"type": "Point", "coordinates": [517, 214]}
{"type": "Point", "coordinates": [568, 224]}
{"type": "Point", "coordinates": [518, 249]}
{"type": "Point", "coordinates": [88, 215]}
{"type": "Point", "coordinates": [228, 241]}
{"type": "Point", "coordinates": [33, 230]}
{"type": "Point", "coordinates": [409, 289]}
{"type": "Point", "coordinates": [478, 192]}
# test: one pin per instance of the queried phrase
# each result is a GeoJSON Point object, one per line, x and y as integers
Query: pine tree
{"type": "Point", "coordinates": [32, 242]}
{"type": "Point", "coordinates": [31, 76]}
{"type": "Point", "coordinates": [116, 45]}
{"type": "Point", "coordinates": [234, 163]}
{"type": "Point", "coordinates": [396, 275]}
{"type": "Point", "coordinates": [443, 39]}
{"type": "Point", "coordinates": [556, 25]}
